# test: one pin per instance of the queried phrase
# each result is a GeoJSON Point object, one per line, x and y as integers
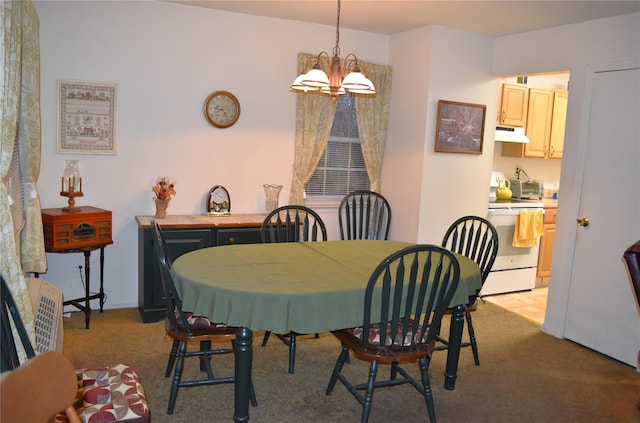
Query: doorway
{"type": "Point", "coordinates": [539, 165]}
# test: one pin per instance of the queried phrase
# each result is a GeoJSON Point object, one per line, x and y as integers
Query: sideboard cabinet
{"type": "Point", "coordinates": [184, 234]}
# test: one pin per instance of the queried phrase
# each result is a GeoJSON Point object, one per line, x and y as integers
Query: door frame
{"type": "Point", "coordinates": [573, 167]}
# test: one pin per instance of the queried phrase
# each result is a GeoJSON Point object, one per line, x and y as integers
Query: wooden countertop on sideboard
{"type": "Point", "coordinates": [204, 221]}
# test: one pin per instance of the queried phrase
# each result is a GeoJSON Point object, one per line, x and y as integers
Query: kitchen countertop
{"type": "Point", "coordinates": [549, 203]}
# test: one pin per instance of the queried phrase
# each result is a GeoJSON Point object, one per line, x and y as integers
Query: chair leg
{"type": "Point", "coordinates": [252, 395]}
{"type": "Point", "coordinates": [172, 358]}
{"type": "Point", "coordinates": [472, 339]}
{"type": "Point", "coordinates": [394, 371]}
{"type": "Point", "coordinates": [337, 369]}
{"type": "Point", "coordinates": [177, 377]}
{"type": "Point", "coordinates": [368, 396]}
{"type": "Point", "coordinates": [426, 386]}
{"type": "Point", "coordinates": [265, 338]}
{"type": "Point", "coordinates": [292, 351]}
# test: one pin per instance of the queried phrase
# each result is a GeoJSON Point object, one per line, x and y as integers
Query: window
{"type": "Point", "coordinates": [341, 168]}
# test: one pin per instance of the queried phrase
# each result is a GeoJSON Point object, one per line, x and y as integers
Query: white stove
{"type": "Point", "coordinates": [514, 268]}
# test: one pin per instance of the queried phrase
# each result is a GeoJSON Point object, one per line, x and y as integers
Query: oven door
{"type": "Point", "coordinates": [510, 257]}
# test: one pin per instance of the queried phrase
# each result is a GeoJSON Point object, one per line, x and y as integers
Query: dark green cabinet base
{"type": "Point", "coordinates": [182, 236]}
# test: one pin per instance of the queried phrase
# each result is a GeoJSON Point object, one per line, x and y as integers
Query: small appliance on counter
{"type": "Point", "coordinates": [527, 189]}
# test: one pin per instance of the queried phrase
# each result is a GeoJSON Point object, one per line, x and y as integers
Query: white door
{"type": "Point", "coordinates": [601, 311]}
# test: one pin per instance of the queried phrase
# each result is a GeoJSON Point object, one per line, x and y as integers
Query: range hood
{"type": "Point", "coordinates": [507, 134]}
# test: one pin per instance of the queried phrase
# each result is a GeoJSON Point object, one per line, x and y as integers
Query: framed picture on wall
{"type": "Point", "coordinates": [87, 117]}
{"type": "Point", "coordinates": [460, 127]}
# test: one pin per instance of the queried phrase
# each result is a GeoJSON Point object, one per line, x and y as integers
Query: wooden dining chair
{"type": "Point", "coordinates": [364, 214]}
{"type": "Point", "coordinates": [186, 328]}
{"type": "Point", "coordinates": [632, 260]}
{"type": "Point", "coordinates": [409, 292]}
{"type": "Point", "coordinates": [38, 390]}
{"type": "Point", "coordinates": [477, 239]}
{"type": "Point", "coordinates": [291, 223]}
{"type": "Point", "coordinates": [112, 393]}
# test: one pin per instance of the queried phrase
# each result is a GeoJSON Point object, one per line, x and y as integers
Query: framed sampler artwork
{"type": "Point", "coordinates": [87, 117]}
{"type": "Point", "coordinates": [460, 127]}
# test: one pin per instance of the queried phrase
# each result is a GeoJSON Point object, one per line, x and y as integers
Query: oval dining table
{"type": "Point", "coordinates": [306, 287]}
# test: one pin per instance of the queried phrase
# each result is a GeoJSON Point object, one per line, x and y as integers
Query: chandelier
{"type": "Point", "coordinates": [327, 74]}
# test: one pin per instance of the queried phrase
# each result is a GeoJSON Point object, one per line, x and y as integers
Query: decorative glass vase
{"type": "Point", "coordinates": [71, 178]}
{"type": "Point", "coordinates": [161, 207]}
{"type": "Point", "coordinates": [272, 191]}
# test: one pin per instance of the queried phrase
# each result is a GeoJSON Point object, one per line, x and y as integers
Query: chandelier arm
{"type": "Point", "coordinates": [350, 63]}
{"type": "Point", "coordinates": [322, 60]}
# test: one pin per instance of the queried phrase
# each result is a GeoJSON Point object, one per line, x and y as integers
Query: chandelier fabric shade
{"type": "Point", "coordinates": [333, 76]}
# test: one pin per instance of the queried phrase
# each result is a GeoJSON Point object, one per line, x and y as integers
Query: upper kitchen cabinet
{"type": "Point", "coordinates": [556, 142]}
{"type": "Point", "coordinates": [545, 126]}
{"type": "Point", "coordinates": [513, 105]}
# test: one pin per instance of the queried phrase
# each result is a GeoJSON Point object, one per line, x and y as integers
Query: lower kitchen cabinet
{"type": "Point", "coordinates": [546, 243]}
{"type": "Point", "coordinates": [184, 234]}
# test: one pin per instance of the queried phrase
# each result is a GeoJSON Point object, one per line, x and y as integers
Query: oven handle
{"type": "Point", "coordinates": [508, 212]}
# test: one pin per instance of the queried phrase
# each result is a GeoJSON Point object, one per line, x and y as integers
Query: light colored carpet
{"type": "Point", "coordinates": [524, 376]}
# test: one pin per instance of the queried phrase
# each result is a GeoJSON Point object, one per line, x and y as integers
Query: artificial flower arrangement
{"type": "Point", "coordinates": [164, 188]}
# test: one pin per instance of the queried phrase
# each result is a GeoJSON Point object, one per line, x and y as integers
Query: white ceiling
{"type": "Point", "coordinates": [493, 18]}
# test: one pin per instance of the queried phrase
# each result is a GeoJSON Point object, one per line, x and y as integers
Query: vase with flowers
{"type": "Point", "coordinates": [164, 189]}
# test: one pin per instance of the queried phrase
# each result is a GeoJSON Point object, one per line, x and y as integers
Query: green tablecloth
{"type": "Point", "coordinates": [304, 287]}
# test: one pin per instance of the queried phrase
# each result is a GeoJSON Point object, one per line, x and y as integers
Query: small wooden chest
{"type": "Point", "coordinates": [63, 231]}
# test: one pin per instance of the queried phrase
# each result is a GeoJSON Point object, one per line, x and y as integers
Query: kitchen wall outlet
{"type": "Point", "coordinates": [518, 170]}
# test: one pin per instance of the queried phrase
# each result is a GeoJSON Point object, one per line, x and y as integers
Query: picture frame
{"type": "Point", "coordinates": [87, 117]}
{"type": "Point", "coordinates": [460, 127]}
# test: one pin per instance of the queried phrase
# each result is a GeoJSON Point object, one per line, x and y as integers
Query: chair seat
{"type": "Point", "coordinates": [468, 308]}
{"type": "Point", "coordinates": [374, 335]}
{"type": "Point", "coordinates": [109, 394]}
{"type": "Point", "coordinates": [408, 351]}
{"type": "Point", "coordinates": [201, 331]}
{"type": "Point", "coordinates": [201, 322]}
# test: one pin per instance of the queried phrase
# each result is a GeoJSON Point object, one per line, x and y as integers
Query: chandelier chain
{"type": "Point", "coordinates": [336, 49]}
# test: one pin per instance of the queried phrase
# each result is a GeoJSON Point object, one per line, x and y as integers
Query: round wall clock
{"type": "Point", "coordinates": [219, 201]}
{"type": "Point", "coordinates": [222, 109]}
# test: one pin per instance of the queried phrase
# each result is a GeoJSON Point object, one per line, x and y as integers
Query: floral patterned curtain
{"type": "Point", "coordinates": [314, 118]}
{"type": "Point", "coordinates": [372, 113]}
{"type": "Point", "coordinates": [20, 111]}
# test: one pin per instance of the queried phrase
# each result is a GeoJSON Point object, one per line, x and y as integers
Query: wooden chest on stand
{"type": "Point", "coordinates": [89, 227]}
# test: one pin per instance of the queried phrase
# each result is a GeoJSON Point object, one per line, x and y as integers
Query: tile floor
{"type": "Point", "coordinates": [530, 304]}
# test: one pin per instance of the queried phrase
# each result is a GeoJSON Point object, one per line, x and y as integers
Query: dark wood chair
{"type": "Point", "coordinates": [364, 215]}
{"type": "Point", "coordinates": [409, 291]}
{"type": "Point", "coordinates": [477, 239]}
{"type": "Point", "coordinates": [632, 259]}
{"type": "Point", "coordinates": [291, 223]}
{"type": "Point", "coordinates": [10, 317]}
{"type": "Point", "coordinates": [185, 328]}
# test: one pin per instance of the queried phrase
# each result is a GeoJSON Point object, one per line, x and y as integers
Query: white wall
{"type": "Point", "coordinates": [433, 189]}
{"type": "Point", "coordinates": [573, 48]}
{"type": "Point", "coordinates": [167, 58]}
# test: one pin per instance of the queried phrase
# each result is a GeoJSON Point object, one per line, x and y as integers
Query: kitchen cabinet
{"type": "Point", "coordinates": [558, 123]}
{"type": "Point", "coordinates": [545, 126]}
{"type": "Point", "coordinates": [184, 234]}
{"type": "Point", "coordinates": [514, 100]}
{"type": "Point", "coordinates": [546, 243]}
